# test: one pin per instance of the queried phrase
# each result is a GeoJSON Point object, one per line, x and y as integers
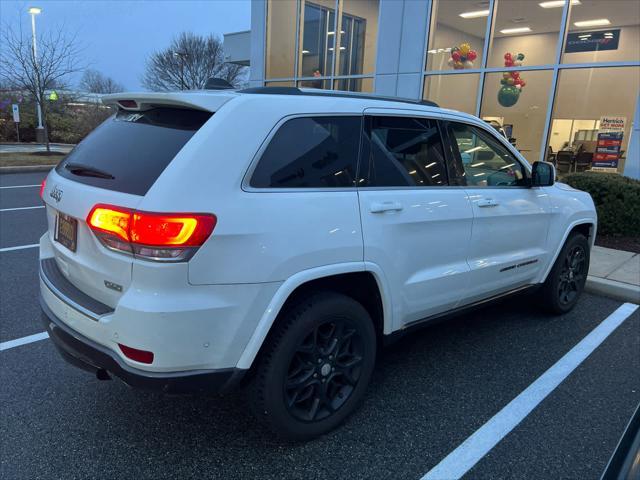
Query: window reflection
{"type": "Point", "coordinates": [357, 37]}
{"type": "Point", "coordinates": [318, 40]}
{"type": "Point", "coordinates": [281, 37]}
{"type": "Point", "coordinates": [354, 84]}
{"type": "Point", "coordinates": [458, 92]}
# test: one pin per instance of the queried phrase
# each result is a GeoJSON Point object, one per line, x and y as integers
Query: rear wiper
{"type": "Point", "coordinates": [87, 170]}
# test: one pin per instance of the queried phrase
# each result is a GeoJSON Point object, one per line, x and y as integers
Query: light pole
{"type": "Point", "coordinates": [182, 56]}
{"type": "Point", "coordinates": [33, 11]}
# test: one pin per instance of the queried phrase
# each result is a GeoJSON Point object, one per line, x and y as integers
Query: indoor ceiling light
{"type": "Point", "coordinates": [507, 31]}
{"type": "Point", "coordinates": [593, 23]}
{"type": "Point", "coordinates": [476, 14]}
{"type": "Point", "coordinates": [557, 3]}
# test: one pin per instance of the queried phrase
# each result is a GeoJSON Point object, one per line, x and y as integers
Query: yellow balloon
{"type": "Point", "coordinates": [506, 75]}
{"type": "Point", "coordinates": [464, 49]}
{"type": "Point", "coordinates": [510, 81]}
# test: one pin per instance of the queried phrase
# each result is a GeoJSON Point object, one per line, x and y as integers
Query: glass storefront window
{"type": "Point", "coordinates": [279, 84]}
{"type": "Point", "coordinates": [525, 27]}
{"type": "Point", "coordinates": [281, 38]}
{"type": "Point", "coordinates": [317, 26]}
{"type": "Point", "coordinates": [325, 84]}
{"type": "Point", "coordinates": [603, 32]}
{"type": "Point", "coordinates": [461, 24]}
{"type": "Point", "coordinates": [519, 113]}
{"type": "Point", "coordinates": [583, 97]}
{"type": "Point", "coordinates": [456, 91]}
{"type": "Point", "coordinates": [354, 84]}
{"type": "Point", "coordinates": [357, 37]}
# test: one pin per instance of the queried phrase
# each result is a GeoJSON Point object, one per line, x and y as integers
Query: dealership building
{"type": "Point", "coordinates": [560, 78]}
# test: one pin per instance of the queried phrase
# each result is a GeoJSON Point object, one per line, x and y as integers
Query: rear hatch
{"type": "Point", "coordinates": [115, 165]}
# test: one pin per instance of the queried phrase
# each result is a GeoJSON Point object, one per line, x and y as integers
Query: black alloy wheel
{"type": "Point", "coordinates": [572, 274]}
{"type": "Point", "coordinates": [324, 371]}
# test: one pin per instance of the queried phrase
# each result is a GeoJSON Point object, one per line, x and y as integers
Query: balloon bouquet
{"type": "Point", "coordinates": [511, 82]}
{"type": "Point", "coordinates": [462, 57]}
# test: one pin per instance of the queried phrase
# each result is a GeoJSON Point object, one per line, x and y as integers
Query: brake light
{"type": "Point", "coordinates": [42, 185]}
{"type": "Point", "coordinates": [156, 236]}
{"type": "Point", "coordinates": [142, 356]}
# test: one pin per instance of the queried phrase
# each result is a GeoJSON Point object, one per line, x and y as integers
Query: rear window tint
{"type": "Point", "coordinates": [311, 152]}
{"type": "Point", "coordinates": [134, 147]}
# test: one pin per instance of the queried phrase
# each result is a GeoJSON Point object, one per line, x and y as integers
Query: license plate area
{"type": "Point", "coordinates": [66, 232]}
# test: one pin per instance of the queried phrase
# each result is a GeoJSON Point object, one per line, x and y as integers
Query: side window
{"type": "Point", "coordinates": [311, 152]}
{"type": "Point", "coordinates": [486, 162]}
{"type": "Point", "coordinates": [402, 151]}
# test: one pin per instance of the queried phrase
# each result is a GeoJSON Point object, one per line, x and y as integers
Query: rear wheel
{"type": "Point", "coordinates": [315, 367]}
{"type": "Point", "coordinates": [567, 278]}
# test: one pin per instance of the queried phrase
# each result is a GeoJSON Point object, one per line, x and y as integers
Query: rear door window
{"type": "Point", "coordinates": [132, 147]}
{"type": "Point", "coordinates": [311, 152]}
{"type": "Point", "coordinates": [402, 152]}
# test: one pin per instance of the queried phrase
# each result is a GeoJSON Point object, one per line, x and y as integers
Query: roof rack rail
{"type": "Point", "coordinates": [332, 93]}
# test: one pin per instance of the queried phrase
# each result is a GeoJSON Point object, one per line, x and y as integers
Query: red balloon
{"type": "Point", "coordinates": [515, 75]}
{"type": "Point", "coordinates": [507, 56]}
{"type": "Point", "coordinates": [522, 83]}
{"type": "Point", "coordinates": [456, 56]}
{"type": "Point", "coordinates": [518, 81]}
{"type": "Point", "coordinates": [508, 63]}
{"type": "Point", "coordinates": [472, 55]}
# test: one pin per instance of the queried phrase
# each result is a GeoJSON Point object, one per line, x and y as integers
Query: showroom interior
{"type": "Point", "coordinates": [545, 73]}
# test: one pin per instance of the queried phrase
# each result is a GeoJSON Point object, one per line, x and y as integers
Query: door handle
{"type": "Point", "coordinates": [381, 207]}
{"type": "Point", "coordinates": [487, 202]}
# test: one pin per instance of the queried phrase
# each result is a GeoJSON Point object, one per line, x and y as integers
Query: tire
{"type": "Point", "coordinates": [565, 283]}
{"type": "Point", "coordinates": [315, 367]}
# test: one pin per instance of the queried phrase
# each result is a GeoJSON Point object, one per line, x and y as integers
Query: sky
{"type": "Point", "coordinates": [117, 36]}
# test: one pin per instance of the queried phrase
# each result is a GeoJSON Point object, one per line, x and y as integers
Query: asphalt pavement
{"type": "Point", "coordinates": [429, 394]}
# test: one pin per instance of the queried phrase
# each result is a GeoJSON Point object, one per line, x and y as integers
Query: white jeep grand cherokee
{"type": "Point", "coordinates": [277, 237]}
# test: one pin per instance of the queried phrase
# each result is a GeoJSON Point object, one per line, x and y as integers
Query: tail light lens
{"type": "Point", "coordinates": [142, 356]}
{"type": "Point", "coordinates": [42, 186]}
{"type": "Point", "coordinates": [154, 236]}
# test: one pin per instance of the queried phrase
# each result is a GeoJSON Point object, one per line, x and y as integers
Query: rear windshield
{"type": "Point", "coordinates": [129, 151]}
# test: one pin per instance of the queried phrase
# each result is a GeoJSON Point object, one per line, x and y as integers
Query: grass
{"type": "Point", "coordinates": [23, 159]}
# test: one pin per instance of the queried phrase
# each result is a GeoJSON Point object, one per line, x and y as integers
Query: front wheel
{"type": "Point", "coordinates": [567, 278]}
{"type": "Point", "coordinates": [315, 367]}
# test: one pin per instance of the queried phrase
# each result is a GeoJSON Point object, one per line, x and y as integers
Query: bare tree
{"type": "Point", "coordinates": [93, 81]}
{"type": "Point", "coordinates": [188, 63]}
{"type": "Point", "coordinates": [20, 67]}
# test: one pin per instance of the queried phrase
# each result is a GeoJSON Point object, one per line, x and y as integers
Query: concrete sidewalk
{"type": "Point", "coordinates": [614, 273]}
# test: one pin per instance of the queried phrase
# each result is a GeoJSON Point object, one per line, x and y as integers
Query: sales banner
{"type": "Point", "coordinates": [609, 142]}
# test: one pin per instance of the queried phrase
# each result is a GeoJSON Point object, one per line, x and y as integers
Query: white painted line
{"type": "Point", "coordinates": [20, 186]}
{"type": "Point", "coordinates": [20, 208]}
{"type": "Point", "coordinates": [471, 451]}
{"type": "Point", "coordinates": [23, 341]}
{"type": "Point", "coordinates": [19, 247]}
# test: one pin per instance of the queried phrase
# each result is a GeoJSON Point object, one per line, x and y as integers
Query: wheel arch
{"type": "Point", "coordinates": [353, 279]}
{"type": "Point", "coordinates": [586, 226]}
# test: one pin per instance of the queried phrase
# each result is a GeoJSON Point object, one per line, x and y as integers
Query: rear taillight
{"type": "Point", "coordinates": [142, 356]}
{"type": "Point", "coordinates": [42, 185]}
{"type": "Point", "coordinates": [154, 236]}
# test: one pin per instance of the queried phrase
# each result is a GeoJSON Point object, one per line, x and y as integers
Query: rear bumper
{"type": "Point", "coordinates": [88, 355]}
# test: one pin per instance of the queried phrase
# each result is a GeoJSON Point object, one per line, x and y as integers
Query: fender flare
{"type": "Point", "coordinates": [581, 221]}
{"type": "Point", "coordinates": [288, 287]}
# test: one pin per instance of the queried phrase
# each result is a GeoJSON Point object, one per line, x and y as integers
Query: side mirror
{"type": "Point", "coordinates": [543, 174]}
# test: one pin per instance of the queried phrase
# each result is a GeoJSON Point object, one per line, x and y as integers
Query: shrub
{"type": "Point", "coordinates": [617, 201]}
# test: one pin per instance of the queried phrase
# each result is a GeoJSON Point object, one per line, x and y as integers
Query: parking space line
{"type": "Point", "coordinates": [19, 186]}
{"type": "Point", "coordinates": [474, 448]}
{"type": "Point", "coordinates": [20, 208]}
{"type": "Point", "coordinates": [23, 341]}
{"type": "Point", "coordinates": [19, 247]}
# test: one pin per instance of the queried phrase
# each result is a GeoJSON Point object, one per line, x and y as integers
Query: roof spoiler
{"type": "Point", "coordinates": [218, 84]}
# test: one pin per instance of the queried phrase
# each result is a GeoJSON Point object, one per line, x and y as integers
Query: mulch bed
{"type": "Point", "coordinates": [629, 244]}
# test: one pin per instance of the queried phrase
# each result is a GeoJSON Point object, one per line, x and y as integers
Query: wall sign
{"type": "Point", "coordinates": [610, 133]}
{"type": "Point", "coordinates": [15, 109]}
{"type": "Point", "coordinates": [592, 41]}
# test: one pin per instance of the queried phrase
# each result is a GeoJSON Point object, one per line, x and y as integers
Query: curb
{"type": "Point", "coordinates": [624, 292]}
{"type": "Point", "coordinates": [26, 169]}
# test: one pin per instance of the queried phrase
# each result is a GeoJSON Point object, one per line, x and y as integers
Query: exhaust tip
{"type": "Point", "coordinates": [102, 374]}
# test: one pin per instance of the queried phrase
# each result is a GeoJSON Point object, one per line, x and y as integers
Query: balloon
{"type": "Point", "coordinates": [520, 56]}
{"type": "Point", "coordinates": [456, 56]}
{"type": "Point", "coordinates": [517, 81]}
{"type": "Point", "coordinates": [454, 49]}
{"type": "Point", "coordinates": [507, 56]}
{"type": "Point", "coordinates": [465, 48]}
{"type": "Point", "coordinates": [508, 63]}
{"type": "Point", "coordinates": [519, 87]}
{"type": "Point", "coordinates": [510, 81]}
{"type": "Point", "coordinates": [472, 55]}
{"type": "Point", "coordinates": [508, 96]}
{"type": "Point", "coordinates": [450, 62]}
{"type": "Point", "coordinates": [506, 75]}
{"type": "Point", "coordinates": [468, 64]}
{"type": "Point", "coordinates": [458, 65]}
{"type": "Point", "coordinates": [523, 83]}
{"type": "Point", "coordinates": [515, 75]}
